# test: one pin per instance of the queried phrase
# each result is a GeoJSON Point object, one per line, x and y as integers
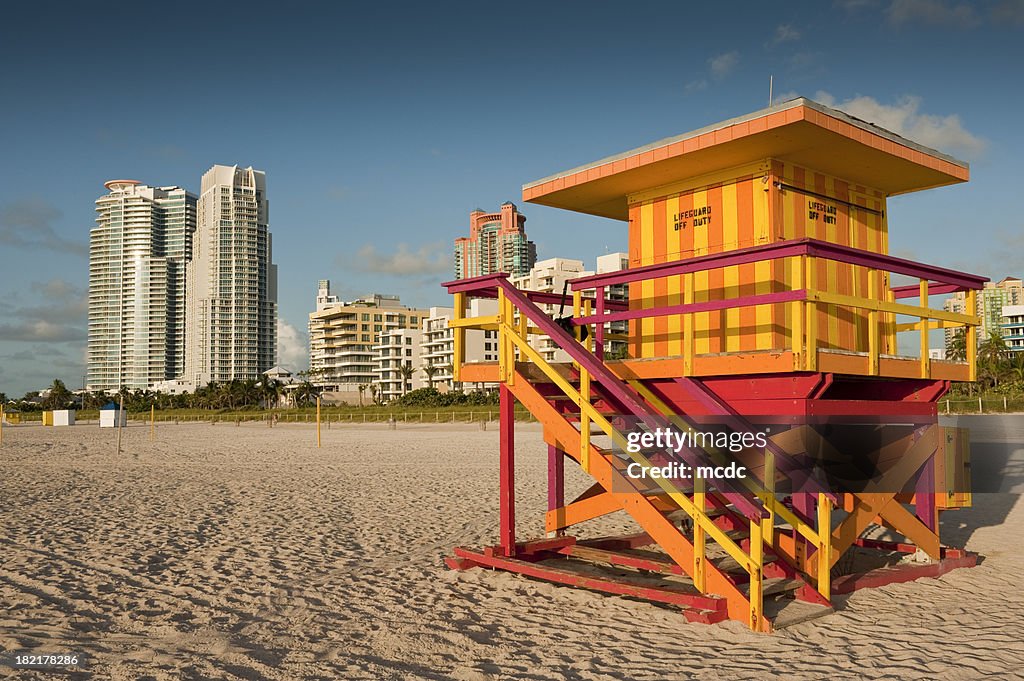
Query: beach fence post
{"type": "Point", "coordinates": [317, 420]}
{"type": "Point", "coordinates": [120, 411]}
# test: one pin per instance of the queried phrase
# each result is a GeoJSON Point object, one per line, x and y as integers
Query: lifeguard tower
{"type": "Point", "coordinates": [760, 286]}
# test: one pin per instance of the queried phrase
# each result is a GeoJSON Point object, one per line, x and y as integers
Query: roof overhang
{"type": "Point", "coordinates": [799, 131]}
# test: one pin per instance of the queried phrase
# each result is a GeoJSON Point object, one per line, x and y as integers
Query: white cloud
{"type": "Point", "coordinates": [785, 33]}
{"type": "Point", "coordinates": [785, 96]}
{"type": "Point", "coordinates": [404, 262]}
{"type": "Point", "coordinates": [41, 330]}
{"type": "Point", "coordinates": [722, 64]}
{"type": "Point", "coordinates": [28, 224]}
{"type": "Point", "coordinates": [930, 12]}
{"type": "Point", "coordinates": [696, 85]}
{"type": "Point", "coordinates": [292, 352]}
{"type": "Point", "coordinates": [1009, 12]}
{"type": "Point", "coordinates": [58, 288]}
{"type": "Point", "coordinates": [854, 5]}
{"type": "Point", "coordinates": [944, 133]}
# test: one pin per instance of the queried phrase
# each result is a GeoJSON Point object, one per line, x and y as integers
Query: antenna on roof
{"type": "Point", "coordinates": [770, 79]}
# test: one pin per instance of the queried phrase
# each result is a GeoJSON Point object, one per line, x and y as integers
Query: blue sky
{"type": "Point", "coordinates": [382, 125]}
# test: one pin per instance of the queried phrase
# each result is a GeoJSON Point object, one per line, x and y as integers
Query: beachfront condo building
{"type": "Point", "coordinates": [1012, 327]}
{"type": "Point", "coordinates": [399, 367]}
{"type": "Point", "coordinates": [550, 276]}
{"type": "Point", "coordinates": [615, 344]}
{"type": "Point", "coordinates": [343, 338]}
{"type": "Point", "coordinates": [990, 302]}
{"type": "Point", "coordinates": [138, 252]}
{"type": "Point", "coordinates": [496, 243]}
{"type": "Point", "coordinates": [231, 281]}
{"type": "Point", "coordinates": [438, 350]}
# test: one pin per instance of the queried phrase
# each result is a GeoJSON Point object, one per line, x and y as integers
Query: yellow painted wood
{"type": "Point", "coordinates": [926, 366]}
{"type": "Point", "coordinates": [689, 343]}
{"type": "Point", "coordinates": [459, 335]}
{"type": "Point", "coordinates": [811, 311]}
{"type": "Point", "coordinates": [503, 360]}
{"type": "Point", "coordinates": [798, 314]}
{"type": "Point", "coordinates": [768, 524]}
{"type": "Point", "coordinates": [756, 571]}
{"type": "Point", "coordinates": [972, 337]}
{"type": "Point", "coordinates": [885, 306]}
{"type": "Point", "coordinates": [487, 321]}
{"type": "Point", "coordinates": [737, 173]}
{"type": "Point", "coordinates": [699, 537]}
{"type": "Point", "coordinates": [825, 545]}
{"type": "Point", "coordinates": [646, 326]}
{"type": "Point", "coordinates": [873, 331]}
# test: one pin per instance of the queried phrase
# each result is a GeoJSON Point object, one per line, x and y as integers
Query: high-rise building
{"type": "Point", "coordinates": [324, 297]}
{"type": "Point", "coordinates": [990, 302]}
{"type": "Point", "coordinates": [138, 253]}
{"type": "Point", "coordinates": [343, 339]}
{"type": "Point", "coordinates": [231, 281]}
{"type": "Point", "coordinates": [550, 276]}
{"type": "Point", "coordinates": [496, 243]}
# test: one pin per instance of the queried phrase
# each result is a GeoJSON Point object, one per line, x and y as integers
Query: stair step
{"type": "Point", "coordinates": [786, 612]}
{"type": "Point", "coordinates": [774, 585]}
{"type": "Point", "coordinates": [729, 565]}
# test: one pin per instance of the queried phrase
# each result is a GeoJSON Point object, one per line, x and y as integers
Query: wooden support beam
{"type": "Point", "coordinates": [506, 474]}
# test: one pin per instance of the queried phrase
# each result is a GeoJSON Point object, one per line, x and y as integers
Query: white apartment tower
{"type": "Point", "coordinates": [138, 253]}
{"type": "Point", "coordinates": [231, 310]}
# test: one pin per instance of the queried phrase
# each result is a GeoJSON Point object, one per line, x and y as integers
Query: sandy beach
{"type": "Point", "coordinates": [226, 552]}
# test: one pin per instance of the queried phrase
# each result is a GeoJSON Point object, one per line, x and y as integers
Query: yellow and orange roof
{"type": "Point", "coordinates": [801, 131]}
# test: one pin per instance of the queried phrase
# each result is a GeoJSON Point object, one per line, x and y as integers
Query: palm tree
{"type": "Point", "coordinates": [305, 393]}
{"type": "Point", "coordinates": [429, 370]}
{"type": "Point", "coordinates": [59, 396]}
{"type": "Point", "coordinates": [271, 392]}
{"type": "Point", "coordinates": [406, 372]}
{"type": "Point", "coordinates": [956, 349]}
{"type": "Point", "coordinates": [362, 389]}
{"type": "Point", "coordinates": [1017, 367]}
{"type": "Point", "coordinates": [992, 357]}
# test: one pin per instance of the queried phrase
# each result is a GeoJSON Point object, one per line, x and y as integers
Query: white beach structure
{"type": "Point", "coordinates": [113, 417]}
{"type": "Point", "coordinates": [64, 417]}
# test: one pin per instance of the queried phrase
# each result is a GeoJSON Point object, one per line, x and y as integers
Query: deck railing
{"type": "Point", "coordinates": [805, 297]}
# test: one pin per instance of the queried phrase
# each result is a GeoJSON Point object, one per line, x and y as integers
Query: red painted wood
{"type": "Point", "coordinates": [628, 541]}
{"type": "Point", "coordinates": [905, 572]}
{"type": "Point", "coordinates": [556, 478]}
{"type": "Point", "coordinates": [506, 474]}
{"type": "Point", "coordinates": [784, 249]}
{"type": "Point", "coordinates": [616, 585]}
{"type": "Point", "coordinates": [707, 306]}
{"type": "Point", "coordinates": [542, 545]}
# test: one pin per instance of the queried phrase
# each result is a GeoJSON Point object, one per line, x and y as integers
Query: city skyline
{"type": "Point", "coordinates": [377, 154]}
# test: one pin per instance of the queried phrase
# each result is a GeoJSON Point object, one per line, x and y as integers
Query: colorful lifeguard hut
{"type": "Point", "coordinates": [759, 287]}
